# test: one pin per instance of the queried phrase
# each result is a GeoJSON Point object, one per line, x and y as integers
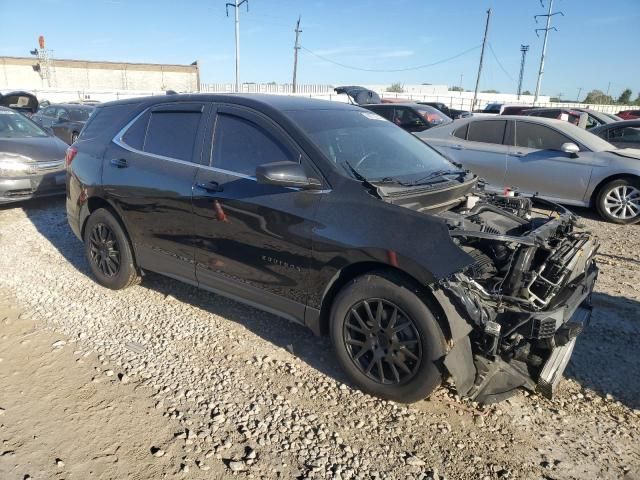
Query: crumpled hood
{"type": "Point", "coordinates": [39, 149]}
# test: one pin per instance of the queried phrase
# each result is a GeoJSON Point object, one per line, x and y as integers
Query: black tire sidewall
{"type": "Point", "coordinates": [603, 193]}
{"type": "Point", "coordinates": [128, 270]}
{"type": "Point", "coordinates": [384, 286]}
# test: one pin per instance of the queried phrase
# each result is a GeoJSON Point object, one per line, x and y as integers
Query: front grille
{"type": "Point", "coordinates": [543, 328]}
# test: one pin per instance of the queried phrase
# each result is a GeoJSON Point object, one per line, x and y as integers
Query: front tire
{"type": "Point", "coordinates": [109, 252]}
{"type": "Point", "coordinates": [618, 201]}
{"type": "Point", "coordinates": [386, 338]}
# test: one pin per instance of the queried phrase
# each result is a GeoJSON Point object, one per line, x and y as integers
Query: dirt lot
{"type": "Point", "coordinates": [166, 381]}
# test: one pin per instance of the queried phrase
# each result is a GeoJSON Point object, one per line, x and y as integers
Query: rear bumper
{"type": "Point", "coordinates": [32, 186]}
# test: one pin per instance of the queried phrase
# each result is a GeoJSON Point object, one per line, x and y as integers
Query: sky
{"type": "Point", "coordinates": [595, 47]}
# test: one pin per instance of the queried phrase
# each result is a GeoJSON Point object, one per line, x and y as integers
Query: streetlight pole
{"type": "Point", "coordinates": [236, 5]}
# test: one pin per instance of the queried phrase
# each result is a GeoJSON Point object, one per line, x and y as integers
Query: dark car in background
{"type": "Point", "coordinates": [515, 109]}
{"type": "Point", "coordinates": [629, 114]}
{"type": "Point", "coordinates": [328, 215]}
{"type": "Point", "coordinates": [623, 134]}
{"type": "Point", "coordinates": [31, 160]}
{"type": "Point", "coordinates": [449, 112]}
{"type": "Point", "coordinates": [64, 120]}
{"type": "Point", "coordinates": [411, 117]}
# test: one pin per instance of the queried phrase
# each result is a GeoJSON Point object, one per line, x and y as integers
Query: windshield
{"type": "Point", "coordinates": [15, 125]}
{"type": "Point", "coordinates": [362, 143]}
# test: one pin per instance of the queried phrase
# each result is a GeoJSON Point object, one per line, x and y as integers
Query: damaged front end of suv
{"type": "Point", "coordinates": [514, 313]}
{"type": "Point", "coordinates": [527, 295]}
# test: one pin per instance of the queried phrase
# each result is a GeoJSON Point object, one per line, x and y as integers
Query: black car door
{"type": "Point", "coordinates": [254, 240]}
{"type": "Point", "coordinates": [148, 175]}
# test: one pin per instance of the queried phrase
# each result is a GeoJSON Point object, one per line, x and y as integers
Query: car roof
{"type": "Point", "coordinates": [71, 105]}
{"type": "Point", "coordinates": [620, 123]}
{"type": "Point", "coordinates": [583, 136]}
{"type": "Point", "coordinates": [259, 101]}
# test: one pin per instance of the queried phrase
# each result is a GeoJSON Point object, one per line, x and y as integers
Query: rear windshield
{"type": "Point", "coordinates": [16, 125]}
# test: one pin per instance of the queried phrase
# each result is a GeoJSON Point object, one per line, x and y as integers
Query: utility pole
{"type": "Point", "coordinates": [296, 47]}
{"type": "Point", "coordinates": [524, 49]}
{"type": "Point", "coordinates": [544, 43]}
{"type": "Point", "coordinates": [236, 5]}
{"type": "Point", "coordinates": [484, 42]}
{"type": "Point", "coordinates": [578, 97]}
{"type": "Point", "coordinates": [460, 85]}
{"type": "Point", "coordinates": [608, 87]}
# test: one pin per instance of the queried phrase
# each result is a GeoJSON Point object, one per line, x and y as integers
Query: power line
{"type": "Point", "coordinates": [500, 64]}
{"type": "Point", "coordinates": [378, 70]}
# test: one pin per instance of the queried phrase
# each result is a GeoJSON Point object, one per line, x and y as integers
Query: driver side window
{"type": "Point", "coordinates": [404, 116]}
{"type": "Point", "coordinates": [539, 137]}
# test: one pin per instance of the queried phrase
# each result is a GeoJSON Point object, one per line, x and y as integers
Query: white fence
{"type": "Point", "coordinates": [458, 100]}
{"type": "Point", "coordinates": [280, 88]}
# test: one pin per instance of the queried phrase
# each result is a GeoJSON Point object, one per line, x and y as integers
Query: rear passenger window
{"type": "Point", "coordinates": [384, 112]}
{"type": "Point", "coordinates": [134, 137]}
{"type": "Point", "coordinates": [540, 137]}
{"type": "Point", "coordinates": [488, 131]}
{"type": "Point", "coordinates": [240, 146]}
{"type": "Point", "coordinates": [461, 132]}
{"type": "Point", "coordinates": [172, 134]}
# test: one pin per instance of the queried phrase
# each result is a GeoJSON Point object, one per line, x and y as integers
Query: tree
{"type": "Point", "coordinates": [625, 97]}
{"type": "Point", "coordinates": [395, 88]}
{"type": "Point", "coordinates": [527, 92]}
{"type": "Point", "coordinates": [598, 97]}
{"type": "Point", "coordinates": [456, 89]}
{"type": "Point", "coordinates": [490, 91]}
{"type": "Point", "coordinates": [637, 100]}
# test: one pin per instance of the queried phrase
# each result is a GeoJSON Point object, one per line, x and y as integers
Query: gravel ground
{"type": "Point", "coordinates": [251, 395]}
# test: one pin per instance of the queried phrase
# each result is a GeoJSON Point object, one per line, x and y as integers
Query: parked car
{"type": "Point", "coordinates": [491, 109]}
{"type": "Point", "coordinates": [410, 116]}
{"type": "Point", "coordinates": [514, 109]}
{"type": "Point", "coordinates": [553, 159]}
{"type": "Point", "coordinates": [64, 120]}
{"type": "Point", "coordinates": [629, 114]}
{"type": "Point", "coordinates": [622, 134]}
{"type": "Point", "coordinates": [326, 214]}
{"type": "Point", "coordinates": [582, 117]}
{"type": "Point", "coordinates": [449, 112]}
{"type": "Point", "coordinates": [23, 102]}
{"type": "Point", "coordinates": [31, 160]}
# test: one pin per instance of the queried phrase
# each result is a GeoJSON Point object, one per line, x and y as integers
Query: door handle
{"type": "Point", "coordinates": [211, 187]}
{"type": "Point", "coordinates": [457, 147]}
{"type": "Point", "coordinates": [119, 162]}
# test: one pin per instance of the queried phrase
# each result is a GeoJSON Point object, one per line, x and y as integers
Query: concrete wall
{"type": "Point", "coordinates": [18, 73]}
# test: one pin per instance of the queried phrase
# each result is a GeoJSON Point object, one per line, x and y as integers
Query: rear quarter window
{"type": "Point", "coordinates": [106, 121]}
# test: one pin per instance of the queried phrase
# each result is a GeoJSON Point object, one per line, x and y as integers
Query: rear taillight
{"type": "Point", "coordinates": [71, 154]}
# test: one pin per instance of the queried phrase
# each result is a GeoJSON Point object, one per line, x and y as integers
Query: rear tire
{"type": "Point", "coordinates": [618, 201]}
{"type": "Point", "coordinates": [391, 345]}
{"type": "Point", "coordinates": [109, 251]}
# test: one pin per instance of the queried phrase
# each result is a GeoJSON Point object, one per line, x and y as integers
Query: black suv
{"type": "Point", "coordinates": [328, 215]}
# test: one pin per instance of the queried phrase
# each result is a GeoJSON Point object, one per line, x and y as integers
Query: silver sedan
{"type": "Point", "coordinates": [551, 158]}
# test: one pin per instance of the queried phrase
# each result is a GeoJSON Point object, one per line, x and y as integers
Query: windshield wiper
{"type": "Point", "coordinates": [355, 173]}
{"type": "Point", "coordinates": [437, 173]}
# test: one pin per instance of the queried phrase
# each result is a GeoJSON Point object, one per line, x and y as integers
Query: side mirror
{"type": "Point", "coordinates": [571, 148]}
{"type": "Point", "coordinates": [286, 174]}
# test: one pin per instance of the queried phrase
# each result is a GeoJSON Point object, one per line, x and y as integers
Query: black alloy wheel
{"type": "Point", "coordinates": [109, 252]}
{"type": "Point", "coordinates": [386, 337]}
{"type": "Point", "coordinates": [382, 341]}
{"type": "Point", "coordinates": [104, 250]}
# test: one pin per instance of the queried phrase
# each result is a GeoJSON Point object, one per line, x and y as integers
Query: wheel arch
{"type": "Point", "coordinates": [348, 273]}
{"type": "Point", "coordinates": [94, 203]}
{"type": "Point", "coordinates": [598, 188]}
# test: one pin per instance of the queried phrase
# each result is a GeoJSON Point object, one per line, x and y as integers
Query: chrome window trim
{"type": "Point", "coordinates": [120, 142]}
